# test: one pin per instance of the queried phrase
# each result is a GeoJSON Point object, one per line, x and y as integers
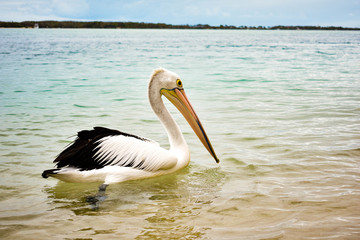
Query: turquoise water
{"type": "Point", "coordinates": [281, 109]}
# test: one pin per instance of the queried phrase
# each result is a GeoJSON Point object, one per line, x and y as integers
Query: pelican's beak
{"type": "Point", "coordinates": [178, 97]}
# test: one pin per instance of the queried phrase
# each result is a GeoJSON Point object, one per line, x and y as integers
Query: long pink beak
{"type": "Point", "coordinates": [179, 99]}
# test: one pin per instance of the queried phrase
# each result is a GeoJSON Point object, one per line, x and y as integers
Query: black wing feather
{"type": "Point", "coordinates": [80, 153]}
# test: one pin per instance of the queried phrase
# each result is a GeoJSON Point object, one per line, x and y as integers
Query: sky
{"type": "Point", "coordinates": [344, 13]}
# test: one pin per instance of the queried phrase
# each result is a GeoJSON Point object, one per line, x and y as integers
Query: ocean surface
{"type": "Point", "coordinates": [281, 108]}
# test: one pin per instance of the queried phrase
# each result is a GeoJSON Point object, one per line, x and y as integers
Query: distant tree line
{"type": "Point", "coordinates": [142, 25]}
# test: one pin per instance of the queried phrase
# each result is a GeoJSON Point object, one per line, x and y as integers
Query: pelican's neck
{"type": "Point", "coordinates": [177, 141]}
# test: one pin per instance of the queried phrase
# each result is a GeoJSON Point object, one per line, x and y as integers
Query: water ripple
{"type": "Point", "coordinates": [280, 107]}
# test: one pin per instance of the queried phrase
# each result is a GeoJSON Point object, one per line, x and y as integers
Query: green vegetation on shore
{"type": "Point", "coordinates": [142, 25]}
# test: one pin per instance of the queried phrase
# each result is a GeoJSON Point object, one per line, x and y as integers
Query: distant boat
{"type": "Point", "coordinates": [36, 26]}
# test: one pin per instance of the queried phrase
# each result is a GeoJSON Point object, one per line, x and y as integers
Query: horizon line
{"type": "Point", "coordinates": [131, 24]}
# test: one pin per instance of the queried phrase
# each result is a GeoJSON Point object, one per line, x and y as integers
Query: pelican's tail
{"type": "Point", "coordinates": [50, 172]}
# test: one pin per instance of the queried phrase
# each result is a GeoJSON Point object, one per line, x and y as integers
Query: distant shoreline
{"type": "Point", "coordinates": [142, 25]}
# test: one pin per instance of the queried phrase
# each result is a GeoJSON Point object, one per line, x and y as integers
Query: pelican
{"type": "Point", "coordinates": [110, 156]}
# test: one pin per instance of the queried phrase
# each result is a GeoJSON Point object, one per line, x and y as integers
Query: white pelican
{"type": "Point", "coordinates": [110, 156]}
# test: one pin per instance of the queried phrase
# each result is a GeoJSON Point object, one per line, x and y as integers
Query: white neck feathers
{"type": "Point", "coordinates": [176, 138]}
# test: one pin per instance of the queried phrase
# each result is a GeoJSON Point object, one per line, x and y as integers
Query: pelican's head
{"type": "Point", "coordinates": [169, 84]}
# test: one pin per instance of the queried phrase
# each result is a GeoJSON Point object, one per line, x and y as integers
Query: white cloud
{"type": "Point", "coordinates": [22, 10]}
{"type": "Point", "coordinates": [70, 8]}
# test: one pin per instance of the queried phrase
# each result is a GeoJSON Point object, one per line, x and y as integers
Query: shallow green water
{"type": "Point", "coordinates": [280, 107]}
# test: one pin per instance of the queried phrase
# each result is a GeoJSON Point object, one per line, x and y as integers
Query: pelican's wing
{"type": "Point", "coordinates": [100, 147]}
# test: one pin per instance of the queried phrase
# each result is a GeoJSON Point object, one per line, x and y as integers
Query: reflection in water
{"type": "Point", "coordinates": [159, 206]}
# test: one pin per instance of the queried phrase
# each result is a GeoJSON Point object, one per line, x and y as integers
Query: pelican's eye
{"type": "Point", "coordinates": [179, 83]}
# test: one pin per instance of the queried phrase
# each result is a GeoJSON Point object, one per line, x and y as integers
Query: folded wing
{"type": "Point", "coordinates": [101, 147]}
